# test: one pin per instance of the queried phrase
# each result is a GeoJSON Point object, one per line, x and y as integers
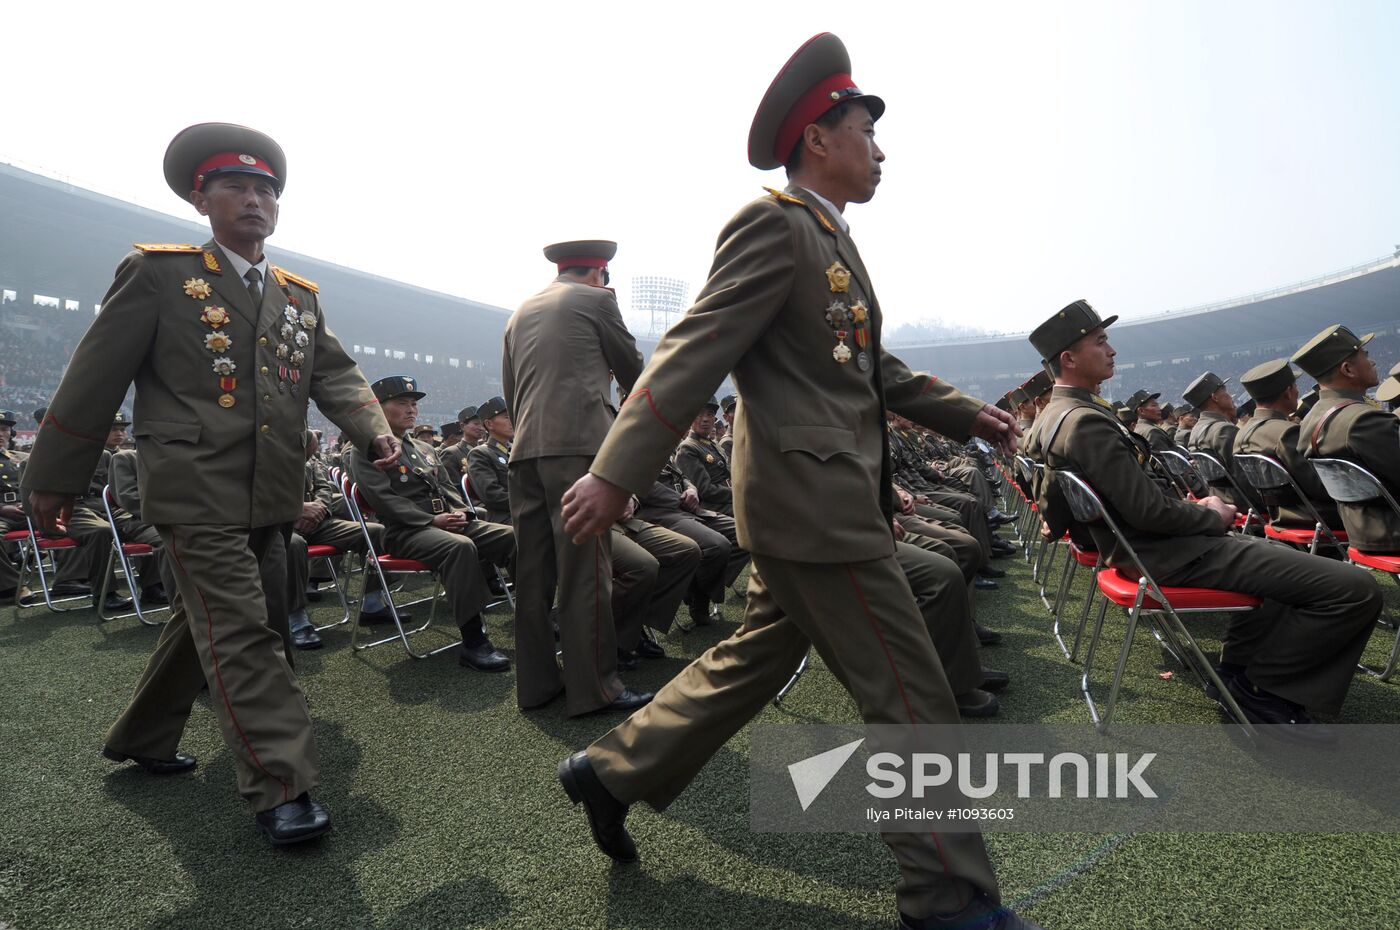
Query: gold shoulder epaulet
{"type": "Point", "coordinates": [165, 247]}
{"type": "Point", "coordinates": [785, 197]}
{"type": "Point", "coordinates": [283, 276]}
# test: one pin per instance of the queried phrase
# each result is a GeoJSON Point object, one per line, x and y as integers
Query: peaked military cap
{"type": "Point", "coordinates": [1247, 408]}
{"type": "Point", "coordinates": [712, 405]}
{"type": "Point", "coordinates": [8, 418]}
{"type": "Point", "coordinates": [1141, 397]}
{"type": "Point", "coordinates": [39, 414]}
{"type": "Point", "coordinates": [816, 78]}
{"type": "Point", "coordinates": [1328, 349]}
{"type": "Point", "coordinates": [1038, 384]}
{"type": "Point", "coordinates": [120, 420]}
{"type": "Point", "coordinates": [1305, 403]}
{"type": "Point", "coordinates": [199, 152]}
{"type": "Point", "coordinates": [1126, 414]}
{"type": "Point", "coordinates": [449, 430]}
{"type": "Point", "coordinates": [396, 386]}
{"type": "Point", "coordinates": [467, 414]}
{"type": "Point", "coordinates": [728, 402]}
{"type": "Point", "coordinates": [1004, 403]}
{"type": "Point", "coordinates": [1066, 328]}
{"type": "Point", "coordinates": [1269, 379]}
{"type": "Point", "coordinates": [491, 408]}
{"type": "Point", "coordinates": [1199, 391]}
{"type": "Point", "coordinates": [1168, 410]}
{"type": "Point", "coordinates": [425, 428]}
{"type": "Point", "coordinates": [581, 253]}
{"type": "Point", "coordinates": [1017, 396]}
{"type": "Point", "coordinates": [1389, 390]}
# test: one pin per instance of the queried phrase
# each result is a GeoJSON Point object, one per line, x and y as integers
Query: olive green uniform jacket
{"type": "Point", "coordinates": [1369, 437]}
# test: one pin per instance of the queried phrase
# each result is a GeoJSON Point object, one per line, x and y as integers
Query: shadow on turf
{"type": "Point", "coordinates": [239, 880]}
{"type": "Point", "coordinates": [636, 899]}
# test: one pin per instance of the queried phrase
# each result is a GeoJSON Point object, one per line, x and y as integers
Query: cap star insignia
{"type": "Point", "coordinates": [198, 288]}
{"type": "Point", "coordinates": [839, 277]}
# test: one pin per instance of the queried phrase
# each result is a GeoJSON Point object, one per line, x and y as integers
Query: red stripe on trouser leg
{"type": "Point", "coordinates": [908, 708]}
{"type": "Point", "coordinates": [218, 675]}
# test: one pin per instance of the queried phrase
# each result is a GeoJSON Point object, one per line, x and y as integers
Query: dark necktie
{"type": "Point", "coordinates": [254, 279]}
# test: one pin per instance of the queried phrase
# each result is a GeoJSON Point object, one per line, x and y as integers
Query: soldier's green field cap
{"type": "Point", "coordinates": [1038, 384]}
{"type": "Point", "coordinates": [204, 150]}
{"type": "Point", "coordinates": [1247, 408]}
{"type": "Point", "coordinates": [1328, 349]}
{"type": "Point", "coordinates": [39, 414]}
{"type": "Point", "coordinates": [1168, 410]}
{"type": "Point", "coordinates": [712, 405]}
{"type": "Point", "coordinates": [448, 430]}
{"type": "Point", "coordinates": [581, 253]}
{"type": "Point", "coordinates": [467, 414]}
{"type": "Point", "coordinates": [1141, 397]}
{"type": "Point", "coordinates": [396, 386]}
{"type": "Point", "coordinates": [728, 402]}
{"type": "Point", "coordinates": [120, 421]}
{"type": "Point", "coordinates": [492, 408]}
{"type": "Point", "coordinates": [1004, 403]}
{"type": "Point", "coordinates": [1199, 391]}
{"type": "Point", "coordinates": [1066, 328]}
{"type": "Point", "coordinates": [1386, 393]}
{"type": "Point", "coordinates": [7, 418]}
{"type": "Point", "coordinates": [1268, 380]}
{"type": "Point", "coordinates": [1017, 397]}
{"type": "Point", "coordinates": [816, 78]}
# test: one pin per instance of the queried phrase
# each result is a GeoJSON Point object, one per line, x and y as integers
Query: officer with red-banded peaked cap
{"type": "Point", "coordinates": [204, 150]}
{"type": "Point", "coordinates": [790, 310]}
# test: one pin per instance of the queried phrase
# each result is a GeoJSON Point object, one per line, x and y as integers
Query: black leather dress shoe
{"type": "Point", "coordinates": [182, 763]}
{"type": "Point", "coordinates": [607, 815]}
{"type": "Point", "coordinates": [993, 680]}
{"type": "Point", "coordinates": [626, 661]}
{"type": "Point", "coordinates": [484, 658]}
{"type": "Point", "coordinates": [699, 610]}
{"type": "Point", "coordinates": [297, 821]}
{"type": "Point", "coordinates": [1280, 718]}
{"type": "Point", "coordinates": [70, 589]}
{"type": "Point", "coordinates": [306, 638]}
{"type": "Point", "coordinates": [383, 615]}
{"type": "Point", "coordinates": [980, 914]}
{"type": "Point", "coordinates": [154, 596]}
{"type": "Point", "coordinates": [115, 602]}
{"type": "Point", "coordinates": [987, 571]}
{"type": "Point", "coordinates": [997, 518]}
{"type": "Point", "coordinates": [984, 583]}
{"type": "Point", "coordinates": [494, 583]}
{"type": "Point", "coordinates": [650, 649]}
{"type": "Point", "coordinates": [313, 593]}
{"type": "Point", "coordinates": [985, 636]}
{"type": "Point", "coordinates": [628, 700]}
{"type": "Point", "coordinates": [977, 703]}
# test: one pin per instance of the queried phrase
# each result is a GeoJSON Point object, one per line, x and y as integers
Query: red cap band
{"type": "Point", "coordinates": [582, 262]}
{"type": "Point", "coordinates": [240, 161]}
{"type": "Point", "coordinates": [809, 109]}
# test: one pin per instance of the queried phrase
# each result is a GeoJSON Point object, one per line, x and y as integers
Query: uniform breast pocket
{"type": "Point", "coordinates": [823, 442]}
{"type": "Point", "coordinates": [168, 431]}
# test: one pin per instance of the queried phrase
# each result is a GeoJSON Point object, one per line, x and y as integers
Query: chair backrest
{"type": "Point", "coordinates": [1265, 473]}
{"type": "Point", "coordinates": [1087, 507]}
{"type": "Point", "coordinates": [1175, 462]}
{"type": "Point", "coordinates": [1349, 483]}
{"type": "Point", "coordinates": [1025, 468]}
{"type": "Point", "coordinates": [1215, 472]}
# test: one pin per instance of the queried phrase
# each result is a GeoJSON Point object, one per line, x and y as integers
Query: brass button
{"type": "Point", "coordinates": [267, 397]}
{"type": "Point", "coordinates": [264, 369]}
{"type": "Point", "coordinates": [262, 341]}
{"type": "Point", "coordinates": [266, 428]}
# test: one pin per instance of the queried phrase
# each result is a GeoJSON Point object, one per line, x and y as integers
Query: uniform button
{"type": "Point", "coordinates": [267, 397]}
{"type": "Point", "coordinates": [264, 369]}
{"type": "Point", "coordinates": [262, 341]}
{"type": "Point", "coordinates": [266, 428]}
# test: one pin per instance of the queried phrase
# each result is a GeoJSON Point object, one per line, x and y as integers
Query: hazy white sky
{"type": "Point", "coordinates": [1147, 156]}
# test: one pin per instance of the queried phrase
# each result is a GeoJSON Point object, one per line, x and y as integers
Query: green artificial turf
{"type": "Point", "coordinates": [448, 814]}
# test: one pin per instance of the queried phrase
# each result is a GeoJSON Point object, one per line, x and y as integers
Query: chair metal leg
{"type": "Point", "coordinates": [1047, 571]}
{"type": "Point", "coordinates": [1089, 661]}
{"type": "Point", "coordinates": [1123, 654]}
{"type": "Point", "coordinates": [402, 635]}
{"type": "Point", "coordinates": [1066, 581]}
{"type": "Point", "coordinates": [342, 586]}
{"type": "Point", "coordinates": [1084, 614]}
{"type": "Point", "coordinates": [1385, 674]}
{"type": "Point", "coordinates": [792, 682]}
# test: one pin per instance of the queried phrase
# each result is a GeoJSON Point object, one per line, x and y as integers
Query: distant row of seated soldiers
{"type": "Point", "coordinates": [1292, 658]}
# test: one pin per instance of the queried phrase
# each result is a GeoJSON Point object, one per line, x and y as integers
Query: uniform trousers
{"type": "Point", "coordinates": [958, 544]}
{"type": "Point", "coordinates": [864, 622]}
{"type": "Point", "coordinates": [721, 556]}
{"type": "Point", "coordinates": [219, 634]}
{"type": "Point", "coordinates": [91, 529]}
{"type": "Point", "coordinates": [971, 515]}
{"type": "Point", "coordinates": [9, 574]}
{"type": "Point", "coordinates": [677, 558]}
{"type": "Point", "coordinates": [583, 574]}
{"type": "Point", "coordinates": [457, 558]}
{"type": "Point", "coordinates": [343, 534]}
{"type": "Point", "coordinates": [941, 593]}
{"type": "Point", "coordinates": [1303, 643]}
{"type": "Point", "coordinates": [634, 574]}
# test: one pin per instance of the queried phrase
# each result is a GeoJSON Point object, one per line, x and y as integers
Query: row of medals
{"type": "Point", "coordinates": [847, 319]}
{"type": "Point", "coordinates": [294, 331]}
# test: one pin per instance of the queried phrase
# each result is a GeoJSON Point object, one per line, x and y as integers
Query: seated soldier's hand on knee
{"type": "Point", "coordinates": [1226, 512]}
{"type": "Point", "coordinates": [452, 521]}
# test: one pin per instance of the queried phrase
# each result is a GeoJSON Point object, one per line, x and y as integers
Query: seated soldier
{"type": "Point", "coordinates": [729, 404]}
{"type": "Point", "coordinates": [1343, 425]}
{"type": "Point", "coordinates": [1289, 658]}
{"type": "Point", "coordinates": [426, 519]}
{"type": "Point", "coordinates": [89, 526]}
{"type": "Point", "coordinates": [652, 570]}
{"type": "Point", "coordinates": [1149, 421]}
{"type": "Point", "coordinates": [454, 457]}
{"type": "Point", "coordinates": [1186, 418]}
{"type": "Point", "coordinates": [11, 510]}
{"type": "Point", "coordinates": [700, 460]}
{"type": "Point", "coordinates": [1274, 389]}
{"type": "Point", "coordinates": [1215, 431]}
{"type": "Point", "coordinates": [325, 521]}
{"type": "Point", "coordinates": [488, 464]}
{"type": "Point", "coordinates": [674, 503]}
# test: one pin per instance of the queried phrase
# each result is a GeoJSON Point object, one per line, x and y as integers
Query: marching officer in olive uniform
{"type": "Point", "coordinates": [1271, 432]}
{"type": "Point", "coordinates": [562, 346]}
{"type": "Point", "coordinates": [1342, 424]}
{"type": "Point", "coordinates": [1292, 656]}
{"type": "Point", "coordinates": [425, 519]}
{"type": "Point", "coordinates": [701, 460]}
{"type": "Point", "coordinates": [727, 404]}
{"type": "Point", "coordinates": [489, 463]}
{"type": "Point", "coordinates": [790, 311]}
{"type": "Point", "coordinates": [226, 351]}
{"type": "Point", "coordinates": [11, 510]}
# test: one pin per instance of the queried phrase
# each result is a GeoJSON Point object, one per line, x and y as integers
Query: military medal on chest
{"type": "Point", "coordinates": [838, 313]}
{"type": "Point", "coordinates": [217, 342]}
